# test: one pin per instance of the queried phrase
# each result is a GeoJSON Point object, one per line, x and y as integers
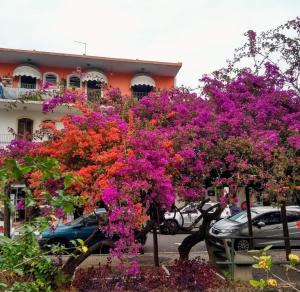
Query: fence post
{"type": "Point", "coordinates": [249, 216]}
{"type": "Point", "coordinates": [285, 230]}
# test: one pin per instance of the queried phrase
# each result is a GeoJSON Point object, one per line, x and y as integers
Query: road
{"type": "Point", "coordinates": [170, 243]}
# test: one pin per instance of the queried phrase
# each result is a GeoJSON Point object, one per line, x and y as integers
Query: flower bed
{"type": "Point", "coordinates": [192, 275]}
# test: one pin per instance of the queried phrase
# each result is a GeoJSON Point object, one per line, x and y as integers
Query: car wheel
{"type": "Point", "coordinates": [242, 244]}
{"type": "Point", "coordinates": [173, 226]}
{"type": "Point", "coordinates": [164, 229]}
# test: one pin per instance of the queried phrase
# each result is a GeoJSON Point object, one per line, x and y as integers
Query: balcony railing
{"type": "Point", "coordinates": [5, 139]}
{"type": "Point", "coordinates": [94, 95]}
{"type": "Point", "coordinates": [139, 94]}
{"type": "Point", "coordinates": [28, 94]}
{"type": "Point", "coordinates": [28, 86]}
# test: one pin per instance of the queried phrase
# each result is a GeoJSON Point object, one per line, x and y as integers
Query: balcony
{"type": "Point", "coordinates": [5, 139]}
{"type": "Point", "coordinates": [27, 93]}
{"type": "Point", "coordinates": [94, 95]}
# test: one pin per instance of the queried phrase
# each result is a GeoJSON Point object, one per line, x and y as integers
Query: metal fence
{"type": "Point", "coordinates": [229, 252]}
{"type": "Point", "coordinates": [5, 139]}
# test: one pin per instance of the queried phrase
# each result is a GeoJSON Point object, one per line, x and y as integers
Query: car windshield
{"type": "Point", "coordinates": [77, 221]}
{"type": "Point", "coordinates": [242, 216]}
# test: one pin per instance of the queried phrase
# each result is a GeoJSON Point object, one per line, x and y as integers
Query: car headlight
{"type": "Point", "coordinates": [228, 230]}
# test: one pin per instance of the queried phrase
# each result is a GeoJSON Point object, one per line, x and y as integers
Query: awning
{"type": "Point", "coordinates": [142, 79]}
{"type": "Point", "coordinates": [27, 70]}
{"type": "Point", "coordinates": [94, 76]}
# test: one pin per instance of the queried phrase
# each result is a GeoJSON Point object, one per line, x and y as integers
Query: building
{"type": "Point", "coordinates": [23, 73]}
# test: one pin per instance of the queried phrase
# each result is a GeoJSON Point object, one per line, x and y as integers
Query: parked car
{"type": "Point", "coordinates": [80, 228]}
{"type": "Point", "coordinates": [266, 222]}
{"type": "Point", "coordinates": [185, 217]}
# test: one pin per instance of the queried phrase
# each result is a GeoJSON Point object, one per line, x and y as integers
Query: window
{"type": "Point", "coordinates": [28, 82]}
{"type": "Point", "coordinates": [293, 216]}
{"type": "Point", "coordinates": [51, 78]}
{"type": "Point", "coordinates": [270, 218]}
{"type": "Point", "coordinates": [139, 91]}
{"type": "Point", "coordinates": [74, 81]}
{"type": "Point", "coordinates": [25, 129]}
{"type": "Point", "coordinates": [94, 92]}
{"type": "Point", "coordinates": [242, 216]}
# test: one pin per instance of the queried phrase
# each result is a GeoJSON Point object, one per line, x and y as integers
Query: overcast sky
{"type": "Point", "coordinates": [201, 34]}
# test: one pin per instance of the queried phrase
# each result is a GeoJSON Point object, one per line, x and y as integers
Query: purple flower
{"type": "Point", "coordinates": [20, 204]}
{"type": "Point", "coordinates": [252, 41]}
{"type": "Point", "coordinates": [59, 213]}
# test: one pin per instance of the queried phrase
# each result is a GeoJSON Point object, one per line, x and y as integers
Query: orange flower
{"type": "Point", "coordinates": [178, 157]}
{"type": "Point", "coordinates": [171, 114]}
{"type": "Point", "coordinates": [153, 122]}
{"type": "Point", "coordinates": [168, 144]}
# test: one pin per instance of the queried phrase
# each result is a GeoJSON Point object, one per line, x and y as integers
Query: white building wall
{"type": "Point", "coordinates": [9, 119]}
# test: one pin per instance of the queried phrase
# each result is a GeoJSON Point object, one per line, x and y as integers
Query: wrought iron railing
{"type": "Point", "coordinates": [28, 86]}
{"type": "Point", "coordinates": [5, 139]}
{"type": "Point", "coordinates": [139, 95]}
{"type": "Point", "coordinates": [27, 94]}
{"type": "Point", "coordinates": [94, 95]}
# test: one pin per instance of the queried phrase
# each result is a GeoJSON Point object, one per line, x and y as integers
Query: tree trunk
{"type": "Point", "coordinates": [7, 213]}
{"type": "Point", "coordinates": [74, 261]}
{"type": "Point", "coordinates": [191, 240]}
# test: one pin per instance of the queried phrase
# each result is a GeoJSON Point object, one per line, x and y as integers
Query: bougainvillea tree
{"type": "Point", "coordinates": [137, 157]}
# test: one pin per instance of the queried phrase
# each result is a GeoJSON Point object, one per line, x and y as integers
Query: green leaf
{"type": "Point", "coordinates": [267, 247]}
{"type": "Point", "coordinates": [80, 241]}
{"type": "Point", "coordinates": [68, 179]}
{"type": "Point", "coordinates": [255, 266]}
{"type": "Point", "coordinates": [253, 252]}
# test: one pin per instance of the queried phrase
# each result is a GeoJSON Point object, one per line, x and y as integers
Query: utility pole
{"type": "Point", "coordinates": [82, 43]}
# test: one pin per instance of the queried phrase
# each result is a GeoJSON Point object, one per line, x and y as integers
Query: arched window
{"type": "Point", "coordinates": [51, 78]}
{"type": "Point", "coordinates": [28, 82]}
{"type": "Point", "coordinates": [25, 129]}
{"type": "Point", "coordinates": [141, 85]}
{"type": "Point", "coordinates": [74, 81]}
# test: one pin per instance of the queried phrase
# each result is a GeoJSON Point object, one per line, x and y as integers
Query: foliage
{"type": "Point", "coordinates": [264, 262]}
{"type": "Point", "coordinates": [137, 157]}
{"type": "Point", "coordinates": [278, 47]}
{"type": "Point", "coordinates": [24, 267]}
{"type": "Point", "coordinates": [193, 275]}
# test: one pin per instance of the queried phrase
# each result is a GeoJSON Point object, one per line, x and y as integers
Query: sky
{"type": "Point", "coordinates": [201, 34]}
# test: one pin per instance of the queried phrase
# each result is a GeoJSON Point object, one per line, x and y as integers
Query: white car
{"type": "Point", "coordinates": [185, 217]}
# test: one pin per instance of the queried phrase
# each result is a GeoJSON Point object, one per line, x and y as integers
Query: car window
{"type": "Point", "coordinates": [271, 218]}
{"type": "Point", "coordinates": [189, 209]}
{"type": "Point", "coordinates": [293, 216]}
{"type": "Point", "coordinates": [206, 206]}
{"type": "Point", "coordinates": [91, 220]}
{"type": "Point", "coordinates": [242, 216]}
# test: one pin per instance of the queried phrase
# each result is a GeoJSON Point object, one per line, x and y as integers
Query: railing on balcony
{"type": "Point", "coordinates": [5, 139]}
{"type": "Point", "coordinates": [28, 86]}
{"type": "Point", "coordinates": [28, 94]}
{"type": "Point", "coordinates": [94, 95]}
{"type": "Point", "coordinates": [139, 94]}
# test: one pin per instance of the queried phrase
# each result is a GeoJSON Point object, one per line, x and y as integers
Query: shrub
{"type": "Point", "coordinates": [190, 275]}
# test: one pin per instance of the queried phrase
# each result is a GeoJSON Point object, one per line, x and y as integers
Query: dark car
{"type": "Point", "coordinates": [80, 228]}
